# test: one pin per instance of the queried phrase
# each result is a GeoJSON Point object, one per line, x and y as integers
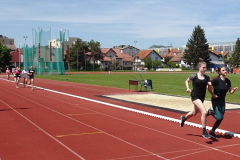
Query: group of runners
{"type": "Point", "coordinates": [26, 74]}
{"type": "Point", "coordinates": [200, 82]}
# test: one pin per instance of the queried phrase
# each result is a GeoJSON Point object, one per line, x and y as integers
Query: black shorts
{"type": "Point", "coordinates": [31, 77]}
{"type": "Point", "coordinates": [195, 98]}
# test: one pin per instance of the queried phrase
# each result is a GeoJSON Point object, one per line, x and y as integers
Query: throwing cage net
{"type": "Point", "coordinates": [45, 57]}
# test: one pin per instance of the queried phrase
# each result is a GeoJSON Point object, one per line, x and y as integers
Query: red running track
{"type": "Point", "coordinates": [43, 125]}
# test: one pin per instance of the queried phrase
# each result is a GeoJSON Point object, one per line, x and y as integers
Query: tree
{"type": "Point", "coordinates": [78, 57]}
{"type": "Point", "coordinates": [167, 59]}
{"type": "Point", "coordinates": [149, 63]}
{"type": "Point", "coordinates": [197, 47]}
{"type": "Point", "coordinates": [5, 56]}
{"type": "Point", "coordinates": [96, 51]}
{"type": "Point", "coordinates": [235, 60]}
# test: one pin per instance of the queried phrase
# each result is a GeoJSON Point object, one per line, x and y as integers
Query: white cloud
{"type": "Point", "coordinates": [135, 18]}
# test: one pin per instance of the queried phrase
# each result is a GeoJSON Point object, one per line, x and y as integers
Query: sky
{"type": "Point", "coordinates": [139, 23]}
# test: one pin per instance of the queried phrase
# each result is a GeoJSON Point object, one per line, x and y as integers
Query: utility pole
{"type": "Point", "coordinates": [135, 53]}
{"type": "Point", "coordinates": [77, 60]}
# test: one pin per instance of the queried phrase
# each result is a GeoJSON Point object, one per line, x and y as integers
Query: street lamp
{"type": "Point", "coordinates": [135, 53]}
{"type": "Point", "coordinates": [25, 37]}
{"type": "Point", "coordinates": [19, 55]}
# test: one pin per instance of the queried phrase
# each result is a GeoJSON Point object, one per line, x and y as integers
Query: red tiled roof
{"type": "Point", "coordinates": [118, 52]}
{"type": "Point", "coordinates": [105, 58]}
{"type": "Point", "coordinates": [170, 53]}
{"type": "Point", "coordinates": [105, 50]}
{"type": "Point", "coordinates": [127, 57]}
{"type": "Point", "coordinates": [218, 53]}
{"type": "Point", "coordinates": [144, 53]}
{"type": "Point", "coordinates": [177, 58]}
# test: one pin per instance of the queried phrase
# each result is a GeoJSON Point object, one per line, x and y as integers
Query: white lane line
{"type": "Point", "coordinates": [92, 127]}
{"type": "Point", "coordinates": [211, 148]}
{"type": "Point", "coordinates": [125, 121]}
{"type": "Point", "coordinates": [145, 113]}
{"type": "Point", "coordinates": [44, 131]}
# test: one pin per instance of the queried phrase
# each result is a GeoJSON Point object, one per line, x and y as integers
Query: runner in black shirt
{"type": "Point", "coordinates": [199, 82]}
{"type": "Point", "coordinates": [31, 73]}
{"type": "Point", "coordinates": [221, 86]}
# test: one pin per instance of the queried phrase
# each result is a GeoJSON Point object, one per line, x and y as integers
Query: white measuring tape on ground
{"type": "Point", "coordinates": [142, 112]}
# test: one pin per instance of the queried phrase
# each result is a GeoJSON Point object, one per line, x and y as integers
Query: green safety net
{"type": "Point", "coordinates": [44, 60]}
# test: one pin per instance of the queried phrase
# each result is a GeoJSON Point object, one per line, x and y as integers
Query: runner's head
{"type": "Point", "coordinates": [202, 66]}
{"type": "Point", "coordinates": [222, 71]}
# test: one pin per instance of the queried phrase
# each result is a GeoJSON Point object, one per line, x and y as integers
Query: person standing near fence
{"type": "Point", "coordinates": [31, 73]}
{"type": "Point", "coordinates": [199, 82]}
{"type": "Point", "coordinates": [221, 85]}
{"type": "Point", "coordinates": [8, 72]}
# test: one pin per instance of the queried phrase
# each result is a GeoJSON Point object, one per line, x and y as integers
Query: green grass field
{"type": "Point", "coordinates": [164, 83]}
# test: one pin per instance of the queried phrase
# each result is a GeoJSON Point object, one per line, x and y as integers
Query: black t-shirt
{"type": "Point", "coordinates": [199, 86]}
{"type": "Point", "coordinates": [31, 73]}
{"type": "Point", "coordinates": [221, 87]}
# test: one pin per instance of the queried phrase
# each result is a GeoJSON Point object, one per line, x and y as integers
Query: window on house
{"type": "Point", "coordinates": [156, 58]}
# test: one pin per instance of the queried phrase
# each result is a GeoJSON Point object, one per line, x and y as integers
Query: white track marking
{"type": "Point", "coordinates": [145, 113]}
{"type": "Point", "coordinates": [91, 127]}
{"type": "Point", "coordinates": [44, 131]}
{"type": "Point", "coordinates": [211, 148]}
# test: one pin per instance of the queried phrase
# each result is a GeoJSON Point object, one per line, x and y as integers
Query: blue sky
{"type": "Point", "coordinates": [117, 22]}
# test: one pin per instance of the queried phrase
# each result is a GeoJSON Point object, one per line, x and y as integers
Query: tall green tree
{"type": "Point", "coordinates": [235, 60]}
{"type": "Point", "coordinates": [5, 56]}
{"type": "Point", "coordinates": [197, 47]}
{"type": "Point", "coordinates": [78, 57]}
{"type": "Point", "coordinates": [95, 48]}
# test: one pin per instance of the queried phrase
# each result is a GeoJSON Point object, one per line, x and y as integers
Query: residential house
{"type": "Point", "coordinates": [218, 58]}
{"type": "Point", "coordinates": [132, 51]}
{"type": "Point", "coordinates": [170, 53]}
{"type": "Point", "coordinates": [6, 41]}
{"type": "Point", "coordinates": [55, 43]}
{"type": "Point", "coordinates": [138, 62]}
{"type": "Point", "coordinates": [178, 59]}
{"type": "Point", "coordinates": [123, 60]}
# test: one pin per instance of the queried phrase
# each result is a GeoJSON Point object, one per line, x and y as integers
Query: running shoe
{"type": "Point", "coordinates": [206, 135]}
{"type": "Point", "coordinates": [210, 112]}
{"type": "Point", "coordinates": [212, 134]}
{"type": "Point", "coordinates": [183, 119]}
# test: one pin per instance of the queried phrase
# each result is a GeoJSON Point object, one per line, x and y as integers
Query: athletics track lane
{"type": "Point", "coordinates": [96, 131]}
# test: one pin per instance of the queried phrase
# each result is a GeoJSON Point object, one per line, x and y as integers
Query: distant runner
{"type": "Point", "coordinates": [31, 73]}
{"type": "Point", "coordinates": [8, 72]}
